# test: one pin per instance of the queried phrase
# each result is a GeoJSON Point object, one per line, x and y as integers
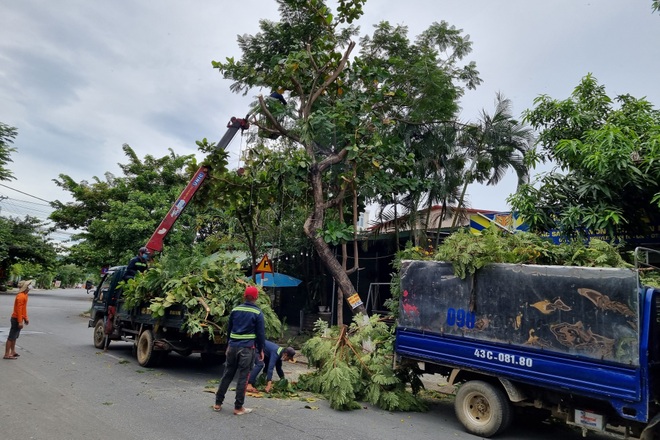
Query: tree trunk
{"type": "Point", "coordinates": [313, 225]}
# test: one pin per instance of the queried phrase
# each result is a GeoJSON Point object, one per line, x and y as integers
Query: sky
{"type": "Point", "coordinates": [79, 78]}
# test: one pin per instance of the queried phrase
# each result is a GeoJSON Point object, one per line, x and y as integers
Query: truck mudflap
{"type": "Point", "coordinates": [514, 392]}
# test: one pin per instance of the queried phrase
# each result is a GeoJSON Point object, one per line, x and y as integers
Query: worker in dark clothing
{"type": "Point", "coordinates": [137, 263]}
{"type": "Point", "coordinates": [273, 357]}
{"type": "Point", "coordinates": [247, 333]}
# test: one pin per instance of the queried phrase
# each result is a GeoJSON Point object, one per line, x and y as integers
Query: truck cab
{"type": "Point", "coordinates": [103, 296]}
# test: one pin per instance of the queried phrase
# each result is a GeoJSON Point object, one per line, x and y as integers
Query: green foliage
{"type": "Point", "coordinates": [363, 123]}
{"type": "Point", "coordinates": [336, 232]}
{"type": "Point", "coordinates": [69, 274]}
{"type": "Point", "coordinates": [117, 215]}
{"type": "Point", "coordinates": [468, 252]}
{"type": "Point", "coordinates": [354, 364]}
{"type": "Point", "coordinates": [650, 278]}
{"type": "Point", "coordinates": [607, 179]}
{"type": "Point", "coordinates": [495, 144]}
{"type": "Point", "coordinates": [261, 204]}
{"type": "Point", "coordinates": [209, 288]}
{"type": "Point", "coordinates": [7, 136]}
{"type": "Point", "coordinates": [25, 242]}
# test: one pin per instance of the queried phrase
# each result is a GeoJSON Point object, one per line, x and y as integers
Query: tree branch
{"type": "Point", "coordinates": [274, 121]}
{"type": "Point", "coordinates": [340, 68]}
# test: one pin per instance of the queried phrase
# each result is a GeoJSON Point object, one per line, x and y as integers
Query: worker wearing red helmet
{"type": "Point", "coordinates": [247, 337]}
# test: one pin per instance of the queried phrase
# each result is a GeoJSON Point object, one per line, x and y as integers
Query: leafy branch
{"type": "Point", "coordinates": [355, 364]}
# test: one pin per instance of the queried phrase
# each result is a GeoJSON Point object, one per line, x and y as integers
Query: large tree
{"type": "Point", "coordinates": [348, 112]}
{"type": "Point", "coordinates": [607, 164]}
{"type": "Point", "coordinates": [116, 215]}
{"type": "Point", "coordinates": [257, 207]}
{"type": "Point", "coordinates": [25, 242]}
{"type": "Point", "coordinates": [424, 161]}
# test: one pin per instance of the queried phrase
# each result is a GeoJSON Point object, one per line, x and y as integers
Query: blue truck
{"type": "Point", "coordinates": [579, 344]}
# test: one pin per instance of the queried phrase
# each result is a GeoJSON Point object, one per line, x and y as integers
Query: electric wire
{"type": "Point", "coordinates": [11, 207]}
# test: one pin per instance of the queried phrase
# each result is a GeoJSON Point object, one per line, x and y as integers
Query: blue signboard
{"type": "Point", "coordinates": [509, 221]}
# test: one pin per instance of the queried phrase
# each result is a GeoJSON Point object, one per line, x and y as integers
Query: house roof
{"type": "Point", "coordinates": [434, 208]}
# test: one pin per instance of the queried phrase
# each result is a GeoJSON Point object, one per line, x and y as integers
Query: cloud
{"type": "Point", "coordinates": [81, 78]}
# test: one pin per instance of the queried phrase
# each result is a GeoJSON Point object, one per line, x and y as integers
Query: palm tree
{"type": "Point", "coordinates": [494, 144]}
{"type": "Point", "coordinates": [438, 170]}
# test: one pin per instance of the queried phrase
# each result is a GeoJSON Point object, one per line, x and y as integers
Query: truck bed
{"type": "Point", "coordinates": [571, 329]}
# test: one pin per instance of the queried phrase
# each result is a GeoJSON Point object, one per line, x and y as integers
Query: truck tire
{"type": "Point", "coordinates": [482, 408]}
{"type": "Point", "coordinates": [146, 356]}
{"type": "Point", "coordinates": [99, 334]}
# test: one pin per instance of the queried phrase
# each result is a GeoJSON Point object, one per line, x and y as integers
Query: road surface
{"type": "Point", "coordinates": [62, 388]}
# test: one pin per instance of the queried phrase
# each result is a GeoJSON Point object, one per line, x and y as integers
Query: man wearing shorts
{"type": "Point", "coordinates": [18, 318]}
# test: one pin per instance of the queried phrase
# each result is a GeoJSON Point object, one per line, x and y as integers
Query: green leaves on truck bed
{"type": "Point", "coordinates": [208, 287]}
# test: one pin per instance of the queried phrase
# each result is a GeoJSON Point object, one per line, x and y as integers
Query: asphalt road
{"type": "Point", "coordinates": [62, 388]}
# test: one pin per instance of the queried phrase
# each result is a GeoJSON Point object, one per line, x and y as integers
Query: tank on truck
{"type": "Point", "coordinates": [155, 243]}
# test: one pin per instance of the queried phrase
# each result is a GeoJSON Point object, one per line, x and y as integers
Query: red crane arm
{"type": "Point", "coordinates": [155, 243]}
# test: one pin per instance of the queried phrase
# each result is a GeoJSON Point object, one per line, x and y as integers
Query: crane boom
{"type": "Point", "coordinates": [155, 243]}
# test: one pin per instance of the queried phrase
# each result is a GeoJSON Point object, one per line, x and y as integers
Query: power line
{"type": "Point", "coordinates": [19, 208]}
{"type": "Point", "coordinates": [29, 195]}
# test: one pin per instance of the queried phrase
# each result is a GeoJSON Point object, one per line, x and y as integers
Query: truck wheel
{"type": "Point", "coordinates": [482, 408]}
{"type": "Point", "coordinates": [146, 356]}
{"type": "Point", "coordinates": [99, 334]}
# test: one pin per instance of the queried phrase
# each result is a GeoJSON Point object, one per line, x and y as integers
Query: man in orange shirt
{"type": "Point", "coordinates": [18, 318]}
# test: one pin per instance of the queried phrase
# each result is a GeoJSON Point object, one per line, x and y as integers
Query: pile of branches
{"type": "Point", "coordinates": [356, 364]}
{"type": "Point", "coordinates": [208, 287]}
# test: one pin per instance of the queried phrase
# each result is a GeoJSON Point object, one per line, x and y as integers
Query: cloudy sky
{"type": "Point", "coordinates": [80, 78]}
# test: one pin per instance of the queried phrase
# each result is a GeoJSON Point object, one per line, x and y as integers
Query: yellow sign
{"type": "Point", "coordinates": [264, 266]}
{"type": "Point", "coordinates": [354, 300]}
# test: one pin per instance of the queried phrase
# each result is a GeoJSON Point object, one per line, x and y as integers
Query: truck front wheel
{"type": "Point", "coordinates": [482, 408]}
{"type": "Point", "coordinates": [99, 334]}
{"type": "Point", "coordinates": [146, 356]}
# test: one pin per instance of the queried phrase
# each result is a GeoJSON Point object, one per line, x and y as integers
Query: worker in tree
{"type": "Point", "coordinates": [273, 357]}
{"type": "Point", "coordinates": [277, 94]}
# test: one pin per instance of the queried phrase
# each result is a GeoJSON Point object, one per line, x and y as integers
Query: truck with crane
{"type": "Point", "coordinates": [580, 344]}
{"type": "Point", "coordinates": [153, 338]}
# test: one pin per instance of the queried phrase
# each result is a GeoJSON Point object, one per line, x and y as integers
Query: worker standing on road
{"type": "Point", "coordinates": [18, 318]}
{"type": "Point", "coordinates": [273, 357]}
{"type": "Point", "coordinates": [246, 333]}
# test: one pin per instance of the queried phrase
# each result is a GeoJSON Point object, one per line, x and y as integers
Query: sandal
{"type": "Point", "coordinates": [10, 357]}
{"type": "Point", "coordinates": [16, 355]}
{"type": "Point", "coordinates": [217, 408]}
{"type": "Point", "coordinates": [240, 412]}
